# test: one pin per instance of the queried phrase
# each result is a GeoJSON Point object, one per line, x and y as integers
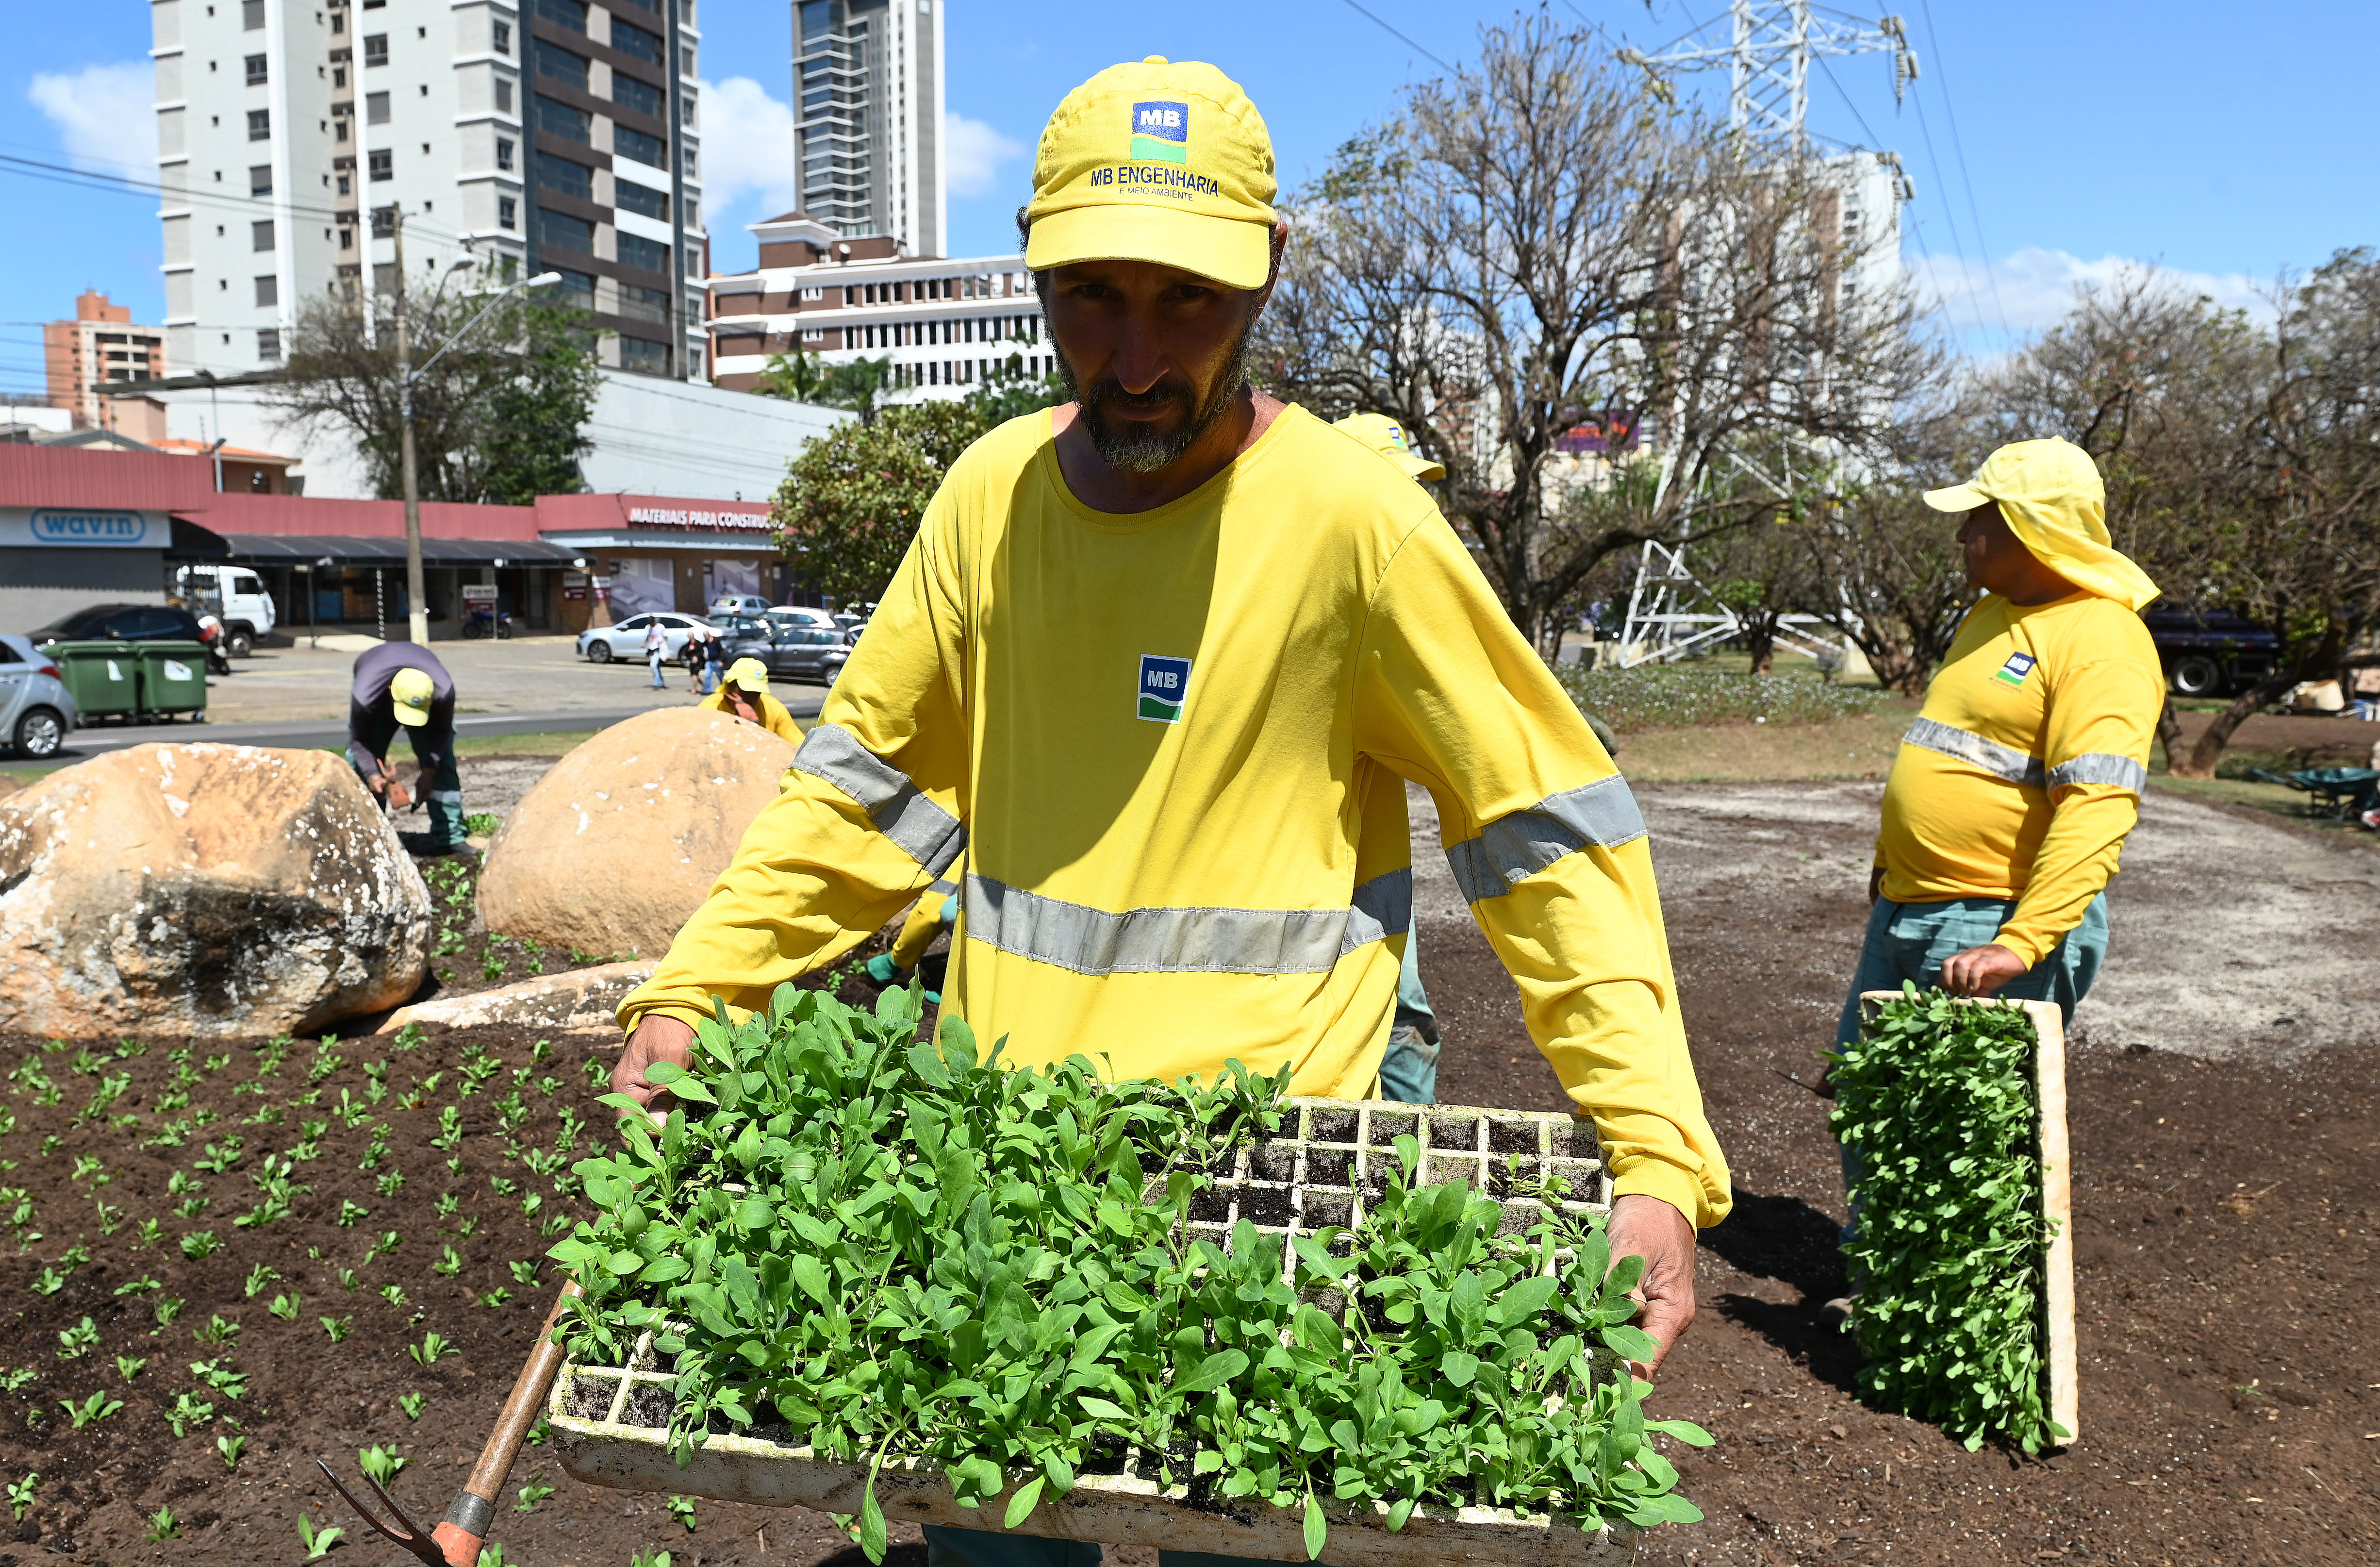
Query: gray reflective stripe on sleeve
{"type": "Point", "coordinates": [931, 835]}
{"type": "Point", "coordinates": [1513, 848]}
{"type": "Point", "coordinates": [2101, 767]}
{"type": "Point", "coordinates": [1383, 908]}
{"type": "Point", "coordinates": [1154, 940]}
{"type": "Point", "coordinates": [2001, 761]}
{"type": "Point", "coordinates": [945, 887]}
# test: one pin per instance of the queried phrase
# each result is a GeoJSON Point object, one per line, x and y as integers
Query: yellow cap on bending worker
{"type": "Point", "coordinates": [1387, 437]}
{"type": "Point", "coordinates": [1161, 163]}
{"type": "Point", "coordinates": [2056, 504]}
{"type": "Point", "coordinates": [749, 674]}
{"type": "Point", "coordinates": [409, 696]}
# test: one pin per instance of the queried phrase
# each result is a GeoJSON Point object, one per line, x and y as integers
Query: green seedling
{"type": "Point", "coordinates": [230, 1447]}
{"type": "Point", "coordinates": [537, 1490]}
{"type": "Point", "coordinates": [20, 1494]}
{"type": "Point", "coordinates": [447, 1205]}
{"type": "Point", "coordinates": [431, 1350]}
{"type": "Point", "coordinates": [285, 1306]}
{"type": "Point", "coordinates": [148, 1232]}
{"type": "Point", "coordinates": [217, 1332]}
{"type": "Point", "coordinates": [90, 1411]}
{"type": "Point", "coordinates": [317, 1543]}
{"type": "Point", "coordinates": [128, 1366]}
{"type": "Point", "coordinates": [78, 1341]}
{"type": "Point", "coordinates": [48, 1282]}
{"type": "Point", "coordinates": [390, 1184]}
{"type": "Point", "coordinates": [447, 1266]}
{"type": "Point", "coordinates": [350, 1212]}
{"type": "Point", "coordinates": [199, 1245]}
{"type": "Point", "coordinates": [221, 1378]}
{"type": "Point", "coordinates": [381, 1462]}
{"type": "Point", "coordinates": [259, 1277]}
{"type": "Point", "coordinates": [682, 1509]}
{"type": "Point", "coordinates": [465, 1226]}
{"type": "Point", "coordinates": [15, 1381]}
{"type": "Point", "coordinates": [220, 1158]}
{"type": "Point", "coordinates": [387, 1244]}
{"type": "Point", "coordinates": [186, 1411]}
{"type": "Point", "coordinates": [338, 1327]}
{"type": "Point", "coordinates": [392, 1294]}
{"type": "Point", "coordinates": [348, 1280]}
{"type": "Point", "coordinates": [190, 1208]}
{"type": "Point", "coordinates": [492, 1556]}
{"type": "Point", "coordinates": [649, 1558]}
{"type": "Point", "coordinates": [141, 1285]}
{"type": "Point", "coordinates": [524, 1272]}
{"type": "Point", "coordinates": [166, 1309]}
{"type": "Point", "coordinates": [498, 1297]}
{"type": "Point", "coordinates": [163, 1525]}
{"type": "Point", "coordinates": [411, 1403]}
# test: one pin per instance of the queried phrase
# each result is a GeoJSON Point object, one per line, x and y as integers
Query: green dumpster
{"type": "Point", "coordinates": [103, 678]}
{"type": "Point", "coordinates": [172, 676]}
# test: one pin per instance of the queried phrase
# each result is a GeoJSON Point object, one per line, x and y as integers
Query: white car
{"type": "Point", "coordinates": [797, 616]}
{"type": "Point", "coordinates": [738, 603]}
{"type": "Point", "coordinates": [627, 640]}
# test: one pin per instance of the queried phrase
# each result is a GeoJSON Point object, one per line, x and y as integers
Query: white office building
{"type": "Point", "coordinates": [521, 135]}
{"type": "Point", "coordinates": [867, 119]}
{"type": "Point", "coordinates": [944, 322]}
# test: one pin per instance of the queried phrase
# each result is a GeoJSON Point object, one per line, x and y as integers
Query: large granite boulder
{"type": "Point", "coordinates": [207, 889]}
{"type": "Point", "coordinates": [612, 851]}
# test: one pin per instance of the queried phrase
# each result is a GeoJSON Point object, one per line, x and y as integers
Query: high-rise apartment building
{"type": "Point", "coordinates": [100, 344]}
{"type": "Point", "coordinates": [868, 118]}
{"type": "Point", "coordinates": [517, 134]}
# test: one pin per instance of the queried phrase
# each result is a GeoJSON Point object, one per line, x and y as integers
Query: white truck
{"type": "Point", "coordinates": [233, 595]}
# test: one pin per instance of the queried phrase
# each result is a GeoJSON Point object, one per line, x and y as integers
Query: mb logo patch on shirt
{"type": "Point", "coordinates": [2019, 665]}
{"type": "Point", "coordinates": [1164, 686]}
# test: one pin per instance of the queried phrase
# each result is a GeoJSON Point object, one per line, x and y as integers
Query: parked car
{"type": "Point", "coordinates": [2209, 653]}
{"type": "Point", "coordinates": [36, 713]}
{"type": "Point", "coordinates": [795, 614]}
{"type": "Point", "coordinates": [121, 622]}
{"type": "Point", "coordinates": [738, 603]}
{"type": "Point", "coordinates": [627, 640]}
{"type": "Point", "coordinates": [792, 652]}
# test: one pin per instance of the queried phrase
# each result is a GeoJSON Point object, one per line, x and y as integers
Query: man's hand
{"type": "Point", "coordinates": [1649, 1228]}
{"type": "Point", "coordinates": [1980, 971]}
{"type": "Point", "coordinates": [378, 783]}
{"type": "Point", "coordinates": [657, 1038]}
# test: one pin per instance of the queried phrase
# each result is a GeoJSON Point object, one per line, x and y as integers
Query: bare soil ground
{"type": "Point", "coordinates": [2228, 1168]}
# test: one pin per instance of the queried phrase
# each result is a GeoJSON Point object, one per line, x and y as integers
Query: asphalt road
{"type": "Point", "coordinates": [304, 734]}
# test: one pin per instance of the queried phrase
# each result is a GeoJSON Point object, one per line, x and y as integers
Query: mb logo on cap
{"type": "Point", "coordinates": [1164, 686]}
{"type": "Point", "coordinates": [1160, 133]}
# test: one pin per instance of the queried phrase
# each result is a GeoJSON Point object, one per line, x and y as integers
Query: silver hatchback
{"type": "Point", "coordinates": [36, 713]}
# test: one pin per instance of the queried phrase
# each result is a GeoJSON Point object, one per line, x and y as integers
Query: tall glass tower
{"type": "Point", "coordinates": [867, 91]}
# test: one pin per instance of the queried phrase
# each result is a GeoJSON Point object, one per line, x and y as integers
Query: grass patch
{"type": "Point", "coordinates": [559, 742]}
{"type": "Point", "coordinates": [1665, 696]}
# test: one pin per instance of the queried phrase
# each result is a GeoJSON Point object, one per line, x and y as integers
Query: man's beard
{"type": "Point", "coordinates": [1141, 448]}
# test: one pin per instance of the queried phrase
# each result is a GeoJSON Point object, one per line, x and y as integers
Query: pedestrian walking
{"type": "Point", "coordinates": [656, 649]}
{"type": "Point", "coordinates": [715, 661]}
{"type": "Point", "coordinates": [692, 655]}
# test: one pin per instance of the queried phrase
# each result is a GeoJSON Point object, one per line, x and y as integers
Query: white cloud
{"type": "Point", "coordinates": [972, 154]}
{"type": "Point", "coordinates": [106, 115]}
{"type": "Point", "coordinates": [2034, 288]}
{"type": "Point", "coordinates": [748, 146]}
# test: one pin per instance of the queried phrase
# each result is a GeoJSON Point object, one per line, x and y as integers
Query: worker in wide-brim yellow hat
{"type": "Point", "coordinates": [744, 693]}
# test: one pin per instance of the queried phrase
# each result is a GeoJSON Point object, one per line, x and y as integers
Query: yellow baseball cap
{"type": "Point", "coordinates": [1387, 437]}
{"type": "Point", "coordinates": [2057, 506]}
{"type": "Point", "coordinates": [409, 695]}
{"type": "Point", "coordinates": [750, 674]}
{"type": "Point", "coordinates": [1156, 163]}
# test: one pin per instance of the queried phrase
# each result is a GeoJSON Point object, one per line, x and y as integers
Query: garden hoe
{"type": "Point", "coordinates": [455, 1542]}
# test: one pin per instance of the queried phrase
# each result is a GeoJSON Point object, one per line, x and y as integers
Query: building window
{"type": "Point", "coordinates": [686, 59]}
{"type": "Point", "coordinates": [693, 165]}
{"type": "Point", "coordinates": [643, 202]}
{"type": "Point", "coordinates": [560, 119]}
{"type": "Point", "coordinates": [643, 358]}
{"type": "Point", "coordinates": [694, 211]}
{"type": "Point", "coordinates": [502, 38]}
{"type": "Point", "coordinates": [577, 289]}
{"type": "Point", "coordinates": [339, 128]}
{"type": "Point", "coordinates": [571, 14]}
{"type": "Point", "coordinates": [255, 70]}
{"type": "Point", "coordinates": [251, 16]}
{"type": "Point", "coordinates": [346, 186]}
{"type": "Point", "coordinates": [268, 347]}
{"type": "Point", "coordinates": [685, 109]}
{"type": "Point", "coordinates": [259, 124]}
{"type": "Point", "coordinates": [504, 95]}
{"type": "Point", "coordinates": [504, 153]}
{"type": "Point", "coordinates": [564, 232]}
{"type": "Point", "coordinates": [561, 64]}
{"type": "Point", "coordinates": [384, 221]}
{"type": "Point", "coordinates": [347, 239]}
{"type": "Point", "coordinates": [639, 303]}
{"type": "Point", "coordinates": [376, 49]}
{"type": "Point", "coordinates": [260, 235]}
{"type": "Point", "coordinates": [268, 291]}
{"type": "Point", "coordinates": [383, 163]}
{"type": "Point", "coordinates": [508, 212]}
{"type": "Point", "coordinates": [631, 40]}
{"type": "Point", "coordinates": [647, 255]}
{"type": "Point", "coordinates": [630, 94]}
{"type": "Point", "coordinates": [814, 334]}
{"type": "Point", "coordinates": [568, 178]}
{"type": "Point", "coordinates": [813, 293]}
{"type": "Point", "coordinates": [375, 108]}
{"type": "Point", "coordinates": [647, 149]}
{"type": "Point", "coordinates": [259, 179]}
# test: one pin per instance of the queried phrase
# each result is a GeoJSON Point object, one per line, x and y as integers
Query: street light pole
{"type": "Point", "coordinates": [416, 618]}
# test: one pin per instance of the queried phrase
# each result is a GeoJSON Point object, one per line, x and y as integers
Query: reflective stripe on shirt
{"type": "Point", "coordinates": [931, 835]}
{"type": "Point", "coordinates": [2006, 761]}
{"type": "Point", "coordinates": [1514, 848]}
{"type": "Point", "coordinates": [1184, 941]}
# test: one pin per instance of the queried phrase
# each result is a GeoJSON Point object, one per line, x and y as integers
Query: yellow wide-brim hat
{"type": "Point", "coordinates": [409, 696]}
{"type": "Point", "coordinates": [2057, 506]}
{"type": "Point", "coordinates": [1155, 162]}
{"type": "Point", "coordinates": [749, 673]}
{"type": "Point", "coordinates": [1388, 437]}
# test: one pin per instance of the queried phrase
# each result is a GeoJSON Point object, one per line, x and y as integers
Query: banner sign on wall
{"type": "Point", "coordinates": [96, 528]}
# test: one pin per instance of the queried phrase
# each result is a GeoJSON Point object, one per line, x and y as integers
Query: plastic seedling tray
{"type": "Point", "coordinates": [610, 1424]}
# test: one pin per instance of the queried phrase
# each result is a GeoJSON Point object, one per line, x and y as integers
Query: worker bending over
{"type": "Point", "coordinates": [1158, 664]}
{"type": "Point", "coordinates": [402, 685]}
{"type": "Point", "coordinates": [744, 694]}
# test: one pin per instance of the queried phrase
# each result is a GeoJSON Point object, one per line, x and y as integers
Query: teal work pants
{"type": "Point", "coordinates": [1409, 1070]}
{"type": "Point", "coordinates": [981, 1547]}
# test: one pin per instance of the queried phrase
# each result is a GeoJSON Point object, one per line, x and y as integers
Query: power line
{"type": "Point", "coordinates": [125, 185]}
{"type": "Point", "coordinates": [1959, 149]}
{"type": "Point", "coordinates": [1401, 38]}
{"type": "Point", "coordinates": [1949, 216]}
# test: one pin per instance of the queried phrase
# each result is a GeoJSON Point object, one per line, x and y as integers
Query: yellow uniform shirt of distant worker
{"type": "Point", "coordinates": [752, 677]}
{"type": "Point", "coordinates": [1173, 747]}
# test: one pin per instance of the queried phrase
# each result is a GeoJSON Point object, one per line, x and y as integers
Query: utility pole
{"type": "Point", "coordinates": [416, 617]}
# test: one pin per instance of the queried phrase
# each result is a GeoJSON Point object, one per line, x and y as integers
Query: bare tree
{"type": "Point", "coordinates": [1534, 240]}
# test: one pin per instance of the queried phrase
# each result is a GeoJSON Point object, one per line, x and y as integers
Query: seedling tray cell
{"type": "Point", "coordinates": [610, 1422]}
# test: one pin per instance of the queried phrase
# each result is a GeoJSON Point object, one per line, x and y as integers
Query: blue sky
{"type": "Point", "coordinates": [2220, 145]}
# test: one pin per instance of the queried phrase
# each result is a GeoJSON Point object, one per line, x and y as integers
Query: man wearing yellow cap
{"type": "Point", "coordinates": [2013, 791]}
{"type": "Point", "coordinates": [1159, 664]}
{"type": "Point", "coordinates": [744, 693]}
{"type": "Point", "coordinates": [401, 685]}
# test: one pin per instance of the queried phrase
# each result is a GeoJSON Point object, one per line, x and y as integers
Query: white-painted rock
{"type": "Point", "coordinates": [612, 850]}
{"type": "Point", "coordinates": [573, 1000]}
{"type": "Point", "coordinates": [207, 889]}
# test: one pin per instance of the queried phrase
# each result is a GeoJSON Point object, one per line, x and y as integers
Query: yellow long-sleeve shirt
{"type": "Point", "coordinates": [1171, 747]}
{"type": "Point", "coordinates": [2024, 770]}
